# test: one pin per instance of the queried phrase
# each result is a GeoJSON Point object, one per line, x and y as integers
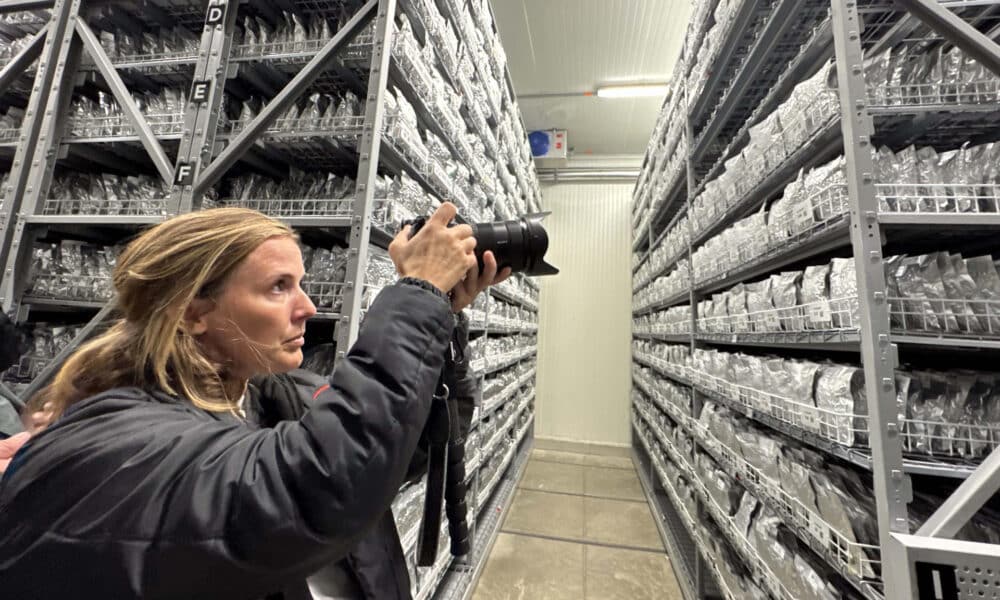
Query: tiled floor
{"type": "Point", "coordinates": [579, 529]}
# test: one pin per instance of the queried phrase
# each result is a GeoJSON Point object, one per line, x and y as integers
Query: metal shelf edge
{"type": "Point", "coordinates": [855, 456]}
{"type": "Point", "coordinates": [666, 536]}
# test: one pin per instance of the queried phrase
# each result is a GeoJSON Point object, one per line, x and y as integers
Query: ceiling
{"type": "Point", "coordinates": [569, 47]}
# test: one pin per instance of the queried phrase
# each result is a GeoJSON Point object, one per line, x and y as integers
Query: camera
{"type": "Point", "coordinates": [520, 244]}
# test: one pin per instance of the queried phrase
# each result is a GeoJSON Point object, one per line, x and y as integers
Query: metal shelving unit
{"type": "Point", "coordinates": [190, 151]}
{"type": "Point", "coordinates": [766, 50]}
{"type": "Point", "coordinates": [696, 553]}
{"type": "Point", "coordinates": [672, 522]}
{"type": "Point", "coordinates": [853, 561]}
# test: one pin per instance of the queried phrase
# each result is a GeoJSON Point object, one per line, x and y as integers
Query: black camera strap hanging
{"type": "Point", "coordinates": [445, 466]}
{"type": "Point", "coordinates": [439, 433]}
{"type": "Point", "coordinates": [439, 430]}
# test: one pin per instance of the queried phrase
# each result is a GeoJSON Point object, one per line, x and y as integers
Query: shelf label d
{"type": "Point", "coordinates": [216, 14]}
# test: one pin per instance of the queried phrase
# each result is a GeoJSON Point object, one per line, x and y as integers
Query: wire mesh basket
{"type": "Point", "coordinates": [326, 295]}
{"type": "Point", "coordinates": [720, 267]}
{"type": "Point", "coordinates": [344, 128]}
{"type": "Point", "coordinates": [739, 540]}
{"type": "Point", "coordinates": [408, 54]}
{"type": "Point", "coordinates": [291, 51]}
{"type": "Point", "coordinates": [450, 122]}
{"type": "Point", "coordinates": [856, 559]}
{"type": "Point", "coordinates": [983, 93]}
{"type": "Point", "coordinates": [406, 140]}
{"type": "Point", "coordinates": [9, 134]}
{"type": "Point", "coordinates": [943, 440]}
{"type": "Point", "coordinates": [939, 439]}
{"type": "Point", "coordinates": [844, 428]}
{"type": "Point", "coordinates": [838, 315]}
{"type": "Point", "coordinates": [83, 288]}
{"type": "Point", "coordinates": [297, 207]}
{"type": "Point", "coordinates": [678, 328]}
{"type": "Point", "coordinates": [26, 369]}
{"type": "Point", "coordinates": [157, 62]}
{"type": "Point", "coordinates": [951, 317]}
{"type": "Point", "coordinates": [106, 206]}
{"type": "Point", "coordinates": [939, 198]}
{"type": "Point", "coordinates": [111, 126]}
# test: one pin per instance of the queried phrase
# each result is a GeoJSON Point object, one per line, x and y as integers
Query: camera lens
{"type": "Point", "coordinates": [520, 244]}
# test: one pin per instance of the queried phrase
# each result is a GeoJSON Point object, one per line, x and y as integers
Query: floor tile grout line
{"type": "Point", "coordinates": [562, 462]}
{"type": "Point", "coordinates": [584, 495]}
{"type": "Point", "coordinates": [591, 454]}
{"type": "Point", "coordinates": [554, 538]}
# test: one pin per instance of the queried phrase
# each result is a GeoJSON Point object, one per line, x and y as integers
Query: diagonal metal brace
{"type": "Point", "coordinates": [163, 164]}
{"type": "Point", "coordinates": [20, 63]}
{"type": "Point", "coordinates": [323, 60]}
{"type": "Point", "coordinates": [965, 501]}
{"type": "Point", "coordinates": [956, 30]}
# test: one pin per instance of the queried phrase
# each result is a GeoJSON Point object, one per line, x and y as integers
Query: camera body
{"type": "Point", "coordinates": [520, 244]}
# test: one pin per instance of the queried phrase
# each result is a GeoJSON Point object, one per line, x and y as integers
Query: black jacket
{"type": "Point", "coordinates": [133, 494]}
{"type": "Point", "coordinates": [375, 569]}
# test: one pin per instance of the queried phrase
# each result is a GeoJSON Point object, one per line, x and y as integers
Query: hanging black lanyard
{"type": "Point", "coordinates": [445, 469]}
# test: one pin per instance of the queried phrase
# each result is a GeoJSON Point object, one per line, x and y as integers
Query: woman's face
{"type": "Point", "coordinates": [257, 322]}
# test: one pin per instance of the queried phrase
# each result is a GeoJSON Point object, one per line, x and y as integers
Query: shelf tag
{"type": "Point", "coordinates": [185, 174]}
{"type": "Point", "coordinates": [216, 14]}
{"type": "Point", "coordinates": [819, 313]}
{"type": "Point", "coordinates": [802, 216]}
{"type": "Point", "coordinates": [200, 90]}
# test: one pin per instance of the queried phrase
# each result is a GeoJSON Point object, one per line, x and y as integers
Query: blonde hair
{"type": "Point", "coordinates": [156, 278]}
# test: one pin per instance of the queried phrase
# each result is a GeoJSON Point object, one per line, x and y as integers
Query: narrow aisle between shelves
{"type": "Point", "coordinates": [579, 528]}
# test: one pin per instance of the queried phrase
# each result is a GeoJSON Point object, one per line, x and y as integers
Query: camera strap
{"type": "Point", "coordinates": [439, 424]}
{"type": "Point", "coordinates": [438, 430]}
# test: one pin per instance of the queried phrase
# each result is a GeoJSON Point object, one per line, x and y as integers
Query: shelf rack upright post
{"type": "Point", "coordinates": [201, 118]}
{"type": "Point", "coordinates": [879, 356]}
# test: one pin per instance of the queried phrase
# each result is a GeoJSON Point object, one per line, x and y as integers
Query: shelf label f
{"type": "Point", "coordinates": [185, 174]}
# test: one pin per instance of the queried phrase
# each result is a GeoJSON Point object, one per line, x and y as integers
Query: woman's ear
{"type": "Point", "coordinates": [196, 316]}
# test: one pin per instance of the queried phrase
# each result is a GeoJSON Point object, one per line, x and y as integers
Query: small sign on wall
{"type": "Point", "coordinates": [550, 143]}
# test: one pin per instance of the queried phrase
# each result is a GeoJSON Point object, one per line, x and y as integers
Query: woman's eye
{"type": "Point", "coordinates": [279, 287]}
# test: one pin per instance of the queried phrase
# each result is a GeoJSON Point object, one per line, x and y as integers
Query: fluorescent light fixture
{"type": "Point", "coordinates": [633, 91]}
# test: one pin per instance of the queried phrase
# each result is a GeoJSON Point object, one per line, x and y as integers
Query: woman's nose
{"type": "Point", "coordinates": [306, 309]}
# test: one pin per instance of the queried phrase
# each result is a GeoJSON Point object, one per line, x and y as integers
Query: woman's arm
{"type": "Point", "coordinates": [175, 507]}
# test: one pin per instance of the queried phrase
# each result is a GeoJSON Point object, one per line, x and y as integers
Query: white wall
{"type": "Point", "coordinates": [585, 320]}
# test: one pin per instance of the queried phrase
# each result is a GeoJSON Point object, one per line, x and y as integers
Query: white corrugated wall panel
{"type": "Point", "coordinates": [585, 320]}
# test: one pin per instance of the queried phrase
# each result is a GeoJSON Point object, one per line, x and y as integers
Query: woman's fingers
{"type": "Point", "coordinates": [489, 270]}
{"type": "Point", "coordinates": [444, 214]}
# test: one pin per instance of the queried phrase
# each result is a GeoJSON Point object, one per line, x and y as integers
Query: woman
{"type": "Point", "coordinates": [149, 484]}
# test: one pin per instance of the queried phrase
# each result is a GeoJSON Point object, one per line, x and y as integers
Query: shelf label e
{"type": "Point", "coordinates": [200, 90]}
